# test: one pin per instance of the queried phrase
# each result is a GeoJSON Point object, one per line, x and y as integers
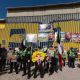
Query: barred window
{"type": "Point", "coordinates": [79, 16]}
{"type": "Point", "coordinates": [17, 19]}
{"type": "Point", "coordinates": [22, 20]}
{"type": "Point", "coordinates": [69, 17]}
{"type": "Point", "coordinates": [50, 18]}
{"type": "Point", "coordinates": [10, 19]}
{"type": "Point", "coordinates": [66, 16]}
{"type": "Point", "coordinates": [28, 19]}
{"type": "Point", "coordinates": [35, 19]}
{"type": "Point", "coordinates": [44, 18]}
{"type": "Point", "coordinates": [53, 17]}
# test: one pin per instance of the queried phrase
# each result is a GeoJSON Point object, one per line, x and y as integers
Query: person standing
{"type": "Point", "coordinates": [60, 51]}
{"type": "Point", "coordinates": [20, 53]}
{"type": "Point", "coordinates": [52, 59]}
{"type": "Point", "coordinates": [64, 56]}
{"type": "Point", "coordinates": [46, 63]}
{"type": "Point", "coordinates": [28, 57]}
{"type": "Point", "coordinates": [26, 60]}
{"type": "Point", "coordinates": [56, 59]}
{"type": "Point", "coordinates": [46, 60]}
{"type": "Point", "coordinates": [38, 56]}
{"type": "Point", "coordinates": [1, 64]}
{"type": "Point", "coordinates": [71, 58]}
{"type": "Point", "coordinates": [13, 62]}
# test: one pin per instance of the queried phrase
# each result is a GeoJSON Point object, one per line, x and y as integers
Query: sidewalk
{"type": "Point", "coordinates": [66, 74]}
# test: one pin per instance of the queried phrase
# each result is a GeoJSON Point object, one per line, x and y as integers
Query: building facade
{"type": "Point", "coordinates": [3, 32]}
{"type": "Point", "coordinates": [21, 20]}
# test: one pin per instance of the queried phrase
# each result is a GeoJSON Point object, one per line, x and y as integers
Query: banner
{"type": "Point", "coordinates": [51, 36]}
{"type": "Point", "coordinates": [42, 37]}
{"type": "Point", "coordinates": [31, 37]}
{"type": "Point", "coordinates": [45, 28]}
{"type": "Point", "coordinates": [75, 37]}
{"type": "Point", "coordinates": [63, 36]}
{"type": "Point", "coordinates": [68, 36]}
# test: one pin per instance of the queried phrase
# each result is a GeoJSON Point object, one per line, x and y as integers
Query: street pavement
{"type": "Point", "coordinates": [66, 74]}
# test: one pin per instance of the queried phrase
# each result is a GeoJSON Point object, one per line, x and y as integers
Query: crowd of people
{"type": "Point", "coordinates": [20, 59]}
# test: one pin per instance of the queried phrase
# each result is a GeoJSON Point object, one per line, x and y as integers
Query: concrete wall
{"type": "Point", "coordinates": [43, 12]}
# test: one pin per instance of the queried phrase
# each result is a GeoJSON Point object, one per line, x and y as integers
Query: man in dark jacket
{"type": "Point", "coordinates": [27, 59]}
{"type": "Point", "coordinates": [39, 66]}
{"type": "Point", "coordinates": [0, 58]}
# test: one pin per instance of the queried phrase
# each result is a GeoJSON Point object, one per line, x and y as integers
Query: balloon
{"type": "Point", "coordinates": [38, 56]}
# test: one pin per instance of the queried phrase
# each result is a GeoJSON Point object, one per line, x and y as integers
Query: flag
{"type": "Point", "coordinates": [58, 35]}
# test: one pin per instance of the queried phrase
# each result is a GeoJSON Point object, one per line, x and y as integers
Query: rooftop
{"type": "Point", "coordinates": [2, 20]}
{"type": "Point", "coordinates": [38, 7]}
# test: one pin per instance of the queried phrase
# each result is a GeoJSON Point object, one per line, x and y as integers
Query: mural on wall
{"type": "Point", "coordinates": [43, 37]}
{"type": "Point", "coordinates": [46, 35]}
{"type": "Point", "coordinates": [17, 31]}
{"type": "Point", "coordinates": [31, 37]}
{"type": "Point", "coordinates": [67, 36]}
{"type": "Point", "coordinates": [45, 28]}
{"type": "Point", "coordinates": [76, 37]}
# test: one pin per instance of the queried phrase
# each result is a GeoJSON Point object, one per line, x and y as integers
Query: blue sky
{"type": "Point", "coordinates": [16, 3]}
